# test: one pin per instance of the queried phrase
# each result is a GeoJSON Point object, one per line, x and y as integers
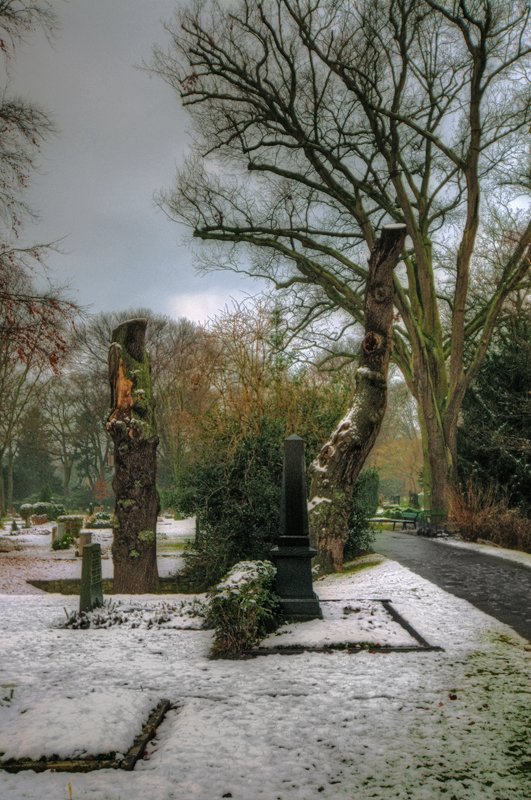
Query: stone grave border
{"type": "Point", "coordinates": [354, 647]}
{"type": "Point", "coordinates": [71, 586]}
{"type": "Point", "coordinates": [91, 763]}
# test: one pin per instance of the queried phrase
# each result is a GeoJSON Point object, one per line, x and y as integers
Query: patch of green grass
{"type": "Point", "coordinates": [168, 545]}
{"type": "Point", "coordinates": [381, 526]}
{"type": "Point", "coordinates": [357, 566]}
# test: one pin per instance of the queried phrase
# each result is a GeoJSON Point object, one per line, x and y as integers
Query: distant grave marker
{"type": "Point", "coordinates": [91, 593]}
{"type": "Point", "coordinates": [85, 538]}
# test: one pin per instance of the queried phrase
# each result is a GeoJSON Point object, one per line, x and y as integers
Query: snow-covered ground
{"type": "Point", "coordinates": [31, 557]}
{"type": "Point", "coordinates": [491, 550]}
{"type": "Point", "coordinates": [451, 724]}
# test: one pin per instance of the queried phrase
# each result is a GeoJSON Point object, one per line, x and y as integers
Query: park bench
{"type": "Point", "coordinates": [406, 518]}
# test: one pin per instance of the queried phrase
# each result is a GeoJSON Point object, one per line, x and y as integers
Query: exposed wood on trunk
{"type": "Point", "coordinates": [337, 466]}
{"type": "Point", "coordinates": [132, 426]}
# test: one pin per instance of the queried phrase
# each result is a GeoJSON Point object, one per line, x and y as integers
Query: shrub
{"type": "Point", "coordinates": [512, 530]}
{"type": "Point", "coordinates": [45, 496]}
{"type": "Point", "coordinates": [39, 509]}
{"type": "Point", "coordinates": [55, 510]}
{"type": "Point", "coordinates": [26, 512]}
{"type": "Point", "coordinates": [73, 523]}
{"type": "Point", "coordinates": [102, 519]}
{"type": "Point", "coordinates": [494, 433]}
{"type": "Point", "coordinates": [64, 542]}
{"type": "Point", "coordinates": [247, 394]}
{"type": "Point", "coordinates": [471, 507]}
{"type": "Point", "coordinates": [208, 557]}
{"type": "Point", "coordinates": [365, 497]}
{"type": "Point", "coordinates": [236, 501]}
{"type": "Point", "coordinates": [481, 511]}
{"type": "Point", "coordinates": [244, 608]}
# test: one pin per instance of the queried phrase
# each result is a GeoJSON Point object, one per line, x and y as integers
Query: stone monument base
{"type": "Point", "coordinates": [294, 582]}
{"type": "Point", "coordinates": [301, 610]}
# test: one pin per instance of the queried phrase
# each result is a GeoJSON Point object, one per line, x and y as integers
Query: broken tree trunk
{"type": "Point", "coordinates": [133, 429]}
{"type": "Point", "coordinates": [339, 463]}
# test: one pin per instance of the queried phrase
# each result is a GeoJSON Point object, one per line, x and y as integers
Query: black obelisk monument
{"type": "Point", "coordinates": [293, 556]}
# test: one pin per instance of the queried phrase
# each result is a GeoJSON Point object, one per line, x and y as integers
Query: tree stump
{"type": "Point", "coordinates": [339, 463]}
{"type": "Point", "coordinates": [132, 426]}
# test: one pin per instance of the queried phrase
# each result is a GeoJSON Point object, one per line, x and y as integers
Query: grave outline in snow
{"type": "Point", "coordinates": [91, 763]}
{"type": "Point", "coordinates": [357, 647]}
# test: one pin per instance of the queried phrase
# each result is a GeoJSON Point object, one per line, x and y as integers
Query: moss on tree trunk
{"type": "Point", "coordinates": [339, 463]}
{"type": "Point", "coordinates": [132, 426]}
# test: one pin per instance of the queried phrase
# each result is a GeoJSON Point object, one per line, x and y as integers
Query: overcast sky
{"type": "Point", "coordinates": [120, 135]}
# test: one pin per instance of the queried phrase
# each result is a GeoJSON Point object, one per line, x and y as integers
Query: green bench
{"type": "Point", "coordinates": [405, 519]}
{"type": "Point", "coordinates": [408, 518]}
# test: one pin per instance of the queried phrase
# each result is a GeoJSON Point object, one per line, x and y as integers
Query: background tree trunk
{"type": "Point", "coordinates": [10, 457]}
{"type": "Point", "coordinates": [132, 426]}
{"type": "Point", "coordinates": [337, 466]}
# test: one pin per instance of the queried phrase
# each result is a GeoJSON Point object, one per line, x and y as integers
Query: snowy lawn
{"type": "Point", "coordinates": [28, 555]}
{"type": "Point", "coordinates": [452, 724]}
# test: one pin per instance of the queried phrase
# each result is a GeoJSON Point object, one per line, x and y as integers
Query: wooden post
{"type": "Point", "coordinates": [339, 463]}
{"type": "Point", "coordinates": [132, 426]}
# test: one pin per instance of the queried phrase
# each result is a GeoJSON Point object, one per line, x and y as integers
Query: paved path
{"type": "Point", "coordinates": [496, 586]}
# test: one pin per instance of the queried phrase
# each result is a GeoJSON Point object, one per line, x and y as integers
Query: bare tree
{"type": "Point", "coordinates": [34, 319]}
{"type": "Point", "coordinates": [22, 377]}
{"type": "Point", "coordinates": [60, 406]}
{"type": "Point", "coordinates": [334, 471]}
{"type": "Point", "coordinates": [317, 122]}
{"type": "Point", "coordinates": [33, 323]}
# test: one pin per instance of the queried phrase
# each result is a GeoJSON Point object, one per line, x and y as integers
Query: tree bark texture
{"type": "Point", "coordinates": [339, 463]}
{"type": "Point", "coordinates": [132, 426]}
{"type": "Point", "coordinates": [10, 458]}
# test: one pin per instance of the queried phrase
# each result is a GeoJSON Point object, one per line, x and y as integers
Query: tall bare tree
{"type": "Point", "coordinates": [33, 323]}
{"type": "Point", "coordinates": [316, 121]}
{"type": "Point", "coordinates": [33, 319]}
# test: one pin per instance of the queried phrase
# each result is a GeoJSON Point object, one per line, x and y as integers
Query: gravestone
{"type": "Point", "coordinates": [293, 556]}
{"type": "Point", "coordinates": [60, 530]}
{"type": "Point", "coordinates": [91, 594]}
{"type": "Point", "coordinates": [54, 532]}
{"type": "Point", "coordinates": [85, 538]}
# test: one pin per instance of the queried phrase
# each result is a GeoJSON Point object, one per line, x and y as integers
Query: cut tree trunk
{"type": "Point", "coordinates": [132, 427]}
{"type": "Point", "coordinates": [339, 463]}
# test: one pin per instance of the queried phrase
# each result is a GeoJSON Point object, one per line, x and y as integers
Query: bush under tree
{"type": "Point", "coordinates": [230, 476]}
{"type": "Point", "coordinates": [244, 608]}
{"type": "Point", "coordinates": [494, 437]}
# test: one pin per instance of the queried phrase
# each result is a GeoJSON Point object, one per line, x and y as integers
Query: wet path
{"type": "Point", "coordinates": [496, 586]}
